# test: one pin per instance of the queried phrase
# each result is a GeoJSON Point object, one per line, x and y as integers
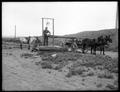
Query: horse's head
{"type": "Point", "coordinates": [100, 38]}
{"type": "Point", "coordinates": [37, 38]}
{"type": "Point", "coordinates": [108, 39]}
{"type": "Point", "coordinates": [28, 39]}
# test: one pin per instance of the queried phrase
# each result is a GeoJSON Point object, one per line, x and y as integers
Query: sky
{"type": "Point", "coordinates": [69, 17]}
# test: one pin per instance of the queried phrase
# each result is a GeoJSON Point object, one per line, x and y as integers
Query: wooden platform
{"type": "Point", "coordinates": [51, 48]}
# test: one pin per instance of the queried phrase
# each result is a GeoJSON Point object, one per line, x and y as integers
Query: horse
{"type": "Point", "coordinates": [25, 40]}
{"type": "Point", "coordinates": [36, 42]}
{"type": "Point", "coordinates": [28, 41]}
{"type": "Point", "coordinates": [102, 42]}
{"type": "Point", "coordinates": [22, 41]}
{"type": "Point", "coordinates": [83, 44]}
{"type": "Point", "coordinates": [88, 43]}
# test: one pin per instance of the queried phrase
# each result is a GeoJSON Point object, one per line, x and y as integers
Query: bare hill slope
{"type": "Point", "coordinates": [94, 34]}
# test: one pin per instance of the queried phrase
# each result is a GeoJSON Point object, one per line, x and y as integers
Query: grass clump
{"type": "Point", "coordinates": [75, 71]}
{"type": "Point", "coordinates": [106, 75]}
{"type": "Point", "coordinates": [90, 74]}
{"type": "Point", "coordinates": [110, 86]}
{"type": "Point", "coordinates": [26, 55]}
{"type": "Point", "coordinates": [99, 85]}
{"type": "Point", "coordinates": [46, 65]}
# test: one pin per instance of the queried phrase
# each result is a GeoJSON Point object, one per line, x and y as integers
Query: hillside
{"type": "Point", "coordinates": [94, 34]}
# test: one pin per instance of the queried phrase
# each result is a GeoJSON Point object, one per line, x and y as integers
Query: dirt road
{"type": "Point", "coordinates": [109, 53]}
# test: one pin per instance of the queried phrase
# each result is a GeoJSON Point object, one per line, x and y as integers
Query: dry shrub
{"type": "Point", "coordinates": [61, 56]}
{"type": "Point", "coordinates": [113, 66]}
{"type": "Point", "coordinates": [75, 71]}
{"type": "Point", "coordinates": [100, 67]}
{"type": "Point", "coordinates": [99, 85]}
{"type": "Point", "coordinates": [105, 75]}
{"type": "Point", "coordinates": [100, 60]}
{"type": "Point", "coordinates": [69, 74]}
{"type": "Point", "coordinates": [37, 63]}
{"type": "Point", "coordinates": [46, 65]}
{"type": "Point", "coordinates": [116, 82]}
{"type": "Point", "coordinates": [110, 86]}
{"type": "Point", "coordinates": [58, 67]}
{"type": "Point", "coordinates": [26, 55]}
{"type": "Point", "coordinates": [90, 74]}
{"type": "Point", "coordinates": [79, 59]}
{"type": "Point", "coordinates": [61, 65]}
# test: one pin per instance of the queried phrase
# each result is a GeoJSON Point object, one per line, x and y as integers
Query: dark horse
{"type": "Point", "coordinates": [102, 42]}
{"type": "Point", "coordinates": [83, 44]}
{"type": "Point", "coordinates": [93, 44]}
{"type": "Point", "coordinates": [89, 43]}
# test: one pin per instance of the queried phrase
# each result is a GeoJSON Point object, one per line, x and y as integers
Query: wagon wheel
{"type": "Point", "coordinates": [86, 50]}
{"type": "Point", "coordinates": [81, 50]}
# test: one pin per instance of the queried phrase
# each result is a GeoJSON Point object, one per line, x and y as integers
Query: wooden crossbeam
{"type": "Point", "coordinates": [55, 36]}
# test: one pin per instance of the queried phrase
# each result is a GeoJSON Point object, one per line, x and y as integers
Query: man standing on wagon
{"type": "Point", "coordinates": [46, 32]}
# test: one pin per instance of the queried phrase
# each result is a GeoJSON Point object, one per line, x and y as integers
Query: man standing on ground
{"type": "Point", "coordinates": [20, 44]}
{"type": "Point", "coordinates": [28, 42]}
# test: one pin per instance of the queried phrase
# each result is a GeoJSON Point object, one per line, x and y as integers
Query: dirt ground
{"type": "Point", "coordinates": [23, 73]}
{"type": "Point", "coordinates": [109, 53]}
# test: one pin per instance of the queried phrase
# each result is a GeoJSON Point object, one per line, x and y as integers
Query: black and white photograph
{"type": "Point", "coordinates": [60, 46]}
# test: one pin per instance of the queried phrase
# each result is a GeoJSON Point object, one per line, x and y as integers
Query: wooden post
{"type": "Point", "coordinates": [42, 31]}
{"type": "Point", "coordinates": [15, 31]}
{"type": "Point", "coordinates": [53, 32]}
{"type": "Point", "coordinates": [116, 24]}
